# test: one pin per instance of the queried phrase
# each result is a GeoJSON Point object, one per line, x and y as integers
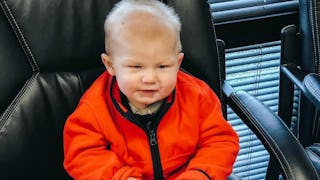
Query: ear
{"type": "Point", "coordinates": [106, 60]}
{"type": "Point", "coordinates": [180, 58]}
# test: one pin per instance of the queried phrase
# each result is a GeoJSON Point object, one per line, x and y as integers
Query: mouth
{"type": "Point", "coordinates": [148, 91]}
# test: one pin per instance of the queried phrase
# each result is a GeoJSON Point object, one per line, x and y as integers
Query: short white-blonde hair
{"type": "Point", "coordinates": [124, 7]}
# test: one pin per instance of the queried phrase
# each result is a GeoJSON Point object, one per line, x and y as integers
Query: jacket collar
{"type": "Point", "coordinates": [116, 98]}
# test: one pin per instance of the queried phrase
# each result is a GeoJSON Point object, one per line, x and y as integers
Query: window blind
{"type": "Point", "coordinates": [295, 111]}
{"type": "Point", "coordinates": [254, 69]}
{"type": "Point", "coordinates": [224, 11]}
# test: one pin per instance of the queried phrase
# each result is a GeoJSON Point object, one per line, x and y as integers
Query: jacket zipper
{"type": "Point", "coordinates": [156, 161]}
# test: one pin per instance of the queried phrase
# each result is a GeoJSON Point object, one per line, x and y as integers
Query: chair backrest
{"type": "Point", "coordinates": [309, 27]}
{"type": "Point", "coordinates": [49, 54]}
{"type": "Point", "coordinates": [199, 42]}
{"type": "Point", "coordinates": [309, 63]}
{"type": "Point", "coordinates": [301, 48]}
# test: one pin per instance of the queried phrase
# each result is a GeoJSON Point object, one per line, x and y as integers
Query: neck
{"type": "Point", "coordinates": [151, 109]}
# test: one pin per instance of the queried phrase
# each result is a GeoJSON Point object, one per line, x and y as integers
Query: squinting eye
{"type": "Point", "coordinates": [135, 67]}
{"type": "Point", "coordinates": [163, 66]}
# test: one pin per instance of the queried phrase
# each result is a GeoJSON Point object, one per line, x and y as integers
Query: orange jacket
{"type": "Point", "coordinates": [190, 139]}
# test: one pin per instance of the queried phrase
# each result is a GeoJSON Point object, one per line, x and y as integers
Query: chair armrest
{"type": "Point", "coordinates": [291, 157]}
{"type": "Point", "coordinates": [311, 84]}
{"type": "Point", "coordinates": [294, 74]}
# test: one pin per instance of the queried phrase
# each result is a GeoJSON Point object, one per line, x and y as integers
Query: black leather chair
{"type": "Point", "coordinates": [286, 153]}
{"type": "Point", "coordinates": [50, 54]}
{"type": "Point", "coordinates": [300, 66]}
{"type": "Point", "coordinates": [295, 157]}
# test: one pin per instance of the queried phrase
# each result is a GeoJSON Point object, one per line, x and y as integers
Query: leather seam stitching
{"type": "Point", "coordinates": [8, 112]}
{"type": "Point", "coordinates": [17, 30]}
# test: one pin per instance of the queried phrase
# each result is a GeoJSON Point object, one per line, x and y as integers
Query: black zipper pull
{"type": "Point", "coordinates": [156, 161]}
{"type": "Point", "coordinates": [153, 139]}
{"type": "Point", "coordinates": [152, 135]}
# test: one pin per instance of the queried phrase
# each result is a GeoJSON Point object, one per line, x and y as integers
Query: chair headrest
{"type": "Point", "coordinates": [59, 35]}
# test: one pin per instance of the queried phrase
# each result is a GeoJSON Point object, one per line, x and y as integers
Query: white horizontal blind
{"type": "Point", "coordinates": [254, 69]}
{"type": "Point", "coordinates": [295, 111]}
{"type": "Point", "coordinates": [238, 10]}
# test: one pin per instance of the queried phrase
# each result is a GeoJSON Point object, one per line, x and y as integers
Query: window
{"type": "Point", "coordinates": [254, 69]}
{"type": "Point", "coordinates": [226, 11]}
{"type": "Point", "coordinates": [252, 64]}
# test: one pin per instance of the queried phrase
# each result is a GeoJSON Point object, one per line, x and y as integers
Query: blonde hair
{"type": "Point", "coordinates": [124, 7]}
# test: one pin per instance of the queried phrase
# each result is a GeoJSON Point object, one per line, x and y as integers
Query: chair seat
{"type": "Point", "coordinates": [313, 152]}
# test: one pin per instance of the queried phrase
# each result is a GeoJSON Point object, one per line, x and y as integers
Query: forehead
{"type": "Point", "coordinates": [144, 23]}
{"type": "Point", "coordinates": [142, 28]}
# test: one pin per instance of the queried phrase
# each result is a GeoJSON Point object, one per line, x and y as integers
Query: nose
{"type": "Point", "coordinates": [149, 76]}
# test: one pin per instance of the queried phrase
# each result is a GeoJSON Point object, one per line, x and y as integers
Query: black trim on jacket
{"type": "Point", "coordinates": [149, 127]}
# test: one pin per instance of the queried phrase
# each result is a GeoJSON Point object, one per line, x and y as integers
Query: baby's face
{"type": "Point", "coordinates": [145, 63]}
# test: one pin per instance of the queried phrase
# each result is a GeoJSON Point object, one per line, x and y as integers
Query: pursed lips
{"type": "Point", "coordinates": [148, 91]}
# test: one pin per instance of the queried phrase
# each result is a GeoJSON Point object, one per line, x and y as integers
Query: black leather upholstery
{"type": "Point", "coordinates": [199, 42]}
{"type": "Point", "coordinates": [309, 23]}
{"type": "Point", "coordinates": [303, 70]}
{"type": "Point", "coordinates": [312, 87]}
{"type": "Point", "coordinates": [290, 156]}
{"type": "Point", "coordinates": [49, 55]}
{"type": "Point", "coordinates": [309, 62]}
{"type": "Point", "coordinates": [287, 153]}
{"type": "Point", "coordinates": [309, 86]}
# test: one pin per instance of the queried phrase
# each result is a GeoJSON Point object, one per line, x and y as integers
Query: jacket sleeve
{"type": "Point", "coordinates": [218, 144]}
{"type": "Point", "coordinates": [85, 150]}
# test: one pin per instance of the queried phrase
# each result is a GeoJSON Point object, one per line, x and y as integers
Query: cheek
{"type": "Point", "coordinates": [126, 83]}
{"type": "Point", "coordinates": [169, 81]}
